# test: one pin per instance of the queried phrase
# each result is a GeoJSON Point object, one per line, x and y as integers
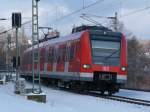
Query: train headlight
{"type": "Point", "coordinates": [86, 66]}
{"type": "Point", "coordinates": [123, 68]}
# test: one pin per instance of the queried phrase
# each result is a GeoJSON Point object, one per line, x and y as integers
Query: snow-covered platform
{"type": "Point", "coordinates": [63, 101]}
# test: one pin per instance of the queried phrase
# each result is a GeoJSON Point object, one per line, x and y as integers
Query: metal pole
{"type": "Point", "coordinates": [83, 4]}
{"type": "Point", "coordinates": [17, 55]}
{"type": "Point", "coordinates": [32, 46]}
{"type": "Point", "coordinates": [38, 51]}
{"type": "Point", "coordinates": [7, 53]}
{"type": "Point", "coordinates": [116, 22]}
{"type": "Point", "coordinates": [35, 39]}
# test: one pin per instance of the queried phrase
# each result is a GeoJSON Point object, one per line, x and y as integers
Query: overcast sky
{"type": "Point", "coordinates": [51, 10]}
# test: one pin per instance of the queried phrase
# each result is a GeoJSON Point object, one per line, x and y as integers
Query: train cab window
{"type": "Point", "coordinates": [106, 51]}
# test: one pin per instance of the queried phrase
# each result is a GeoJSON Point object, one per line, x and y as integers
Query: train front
{"type": "Point", "coordinates": [107, 62]}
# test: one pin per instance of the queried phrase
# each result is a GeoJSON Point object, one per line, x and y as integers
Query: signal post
{"type": "Point", "coordinates": [16, 23]}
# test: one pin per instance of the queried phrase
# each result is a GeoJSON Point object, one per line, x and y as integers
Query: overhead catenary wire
{"type": "Point", "coordinates": [97, 16]}
{"type": "Point", "coordinates": [74, 12]}
{"type": "Point", "coordinates": [79, 10]}
{"type": "Point", "coordinates": [83, 8]}
{"type": "Point", "coordinates": [27, 22]}
{"type": "Point", "coordinates": [87, 18]}
{"type": "Point", "coordinates": [125, 15]}
{"type": "Point", "coordinates": [135, 11]}
{"type": "Point", "coordinates": [121, 16]}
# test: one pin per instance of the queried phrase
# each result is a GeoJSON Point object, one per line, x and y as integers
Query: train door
{"type": "Point", "coordinates": [42, 59]}
{"type": "Point", "coordinates": [67, 57]}
{"type": "Point", "coordinates": [50, 58]}
{"type": "Point", "coordinates": [29, 60]}
{"type": "Point", "coordinates": [46, 60]}
{"type": "Point", "coordinates": [74, 58]}
{"type": "Point", "coordinates": [61, 58]}
{"type": "Point", "coordinates": [77, 55]}
{"type": "Point", "coordinates": [55, 57]}
{"type": "Point", "coordinates": [71, 56]}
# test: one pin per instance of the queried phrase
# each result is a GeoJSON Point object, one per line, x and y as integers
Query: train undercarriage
{"type": "Point", "coordinates": [104, 84]}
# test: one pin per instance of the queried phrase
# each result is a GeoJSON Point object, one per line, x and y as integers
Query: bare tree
{"type": "Point", "coordinates": [138, 63]}
{"type": "Point", "coordinates": [138, 78]}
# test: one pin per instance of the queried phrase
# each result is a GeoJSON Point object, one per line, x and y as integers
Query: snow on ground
{"type": "Point", "coordinates": [134, 94]}
{"type": "Point", "coordinates": [62, 101]}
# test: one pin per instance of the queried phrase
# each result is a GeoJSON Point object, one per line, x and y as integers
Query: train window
{"type": "Point", "coordinates": [30, 57]}
{"type": "Point", "coordinates": [59, 54]}
{"type": "Point", "coordinates": [24, 59]}
{"type": "Point", "coordinates": [77, 48]}
{"type": "Point", "coordinates": [72, 51]}
{"type": "Point", "coordinates": [42, 55]}
{"type": "Point", "coordinates": [67, 53]}
{"type": "Point", "coordinates": [36, 54]}
{"type": "Point", "coordinates": [55, 54]}
{"type": "Point", "coordinates": [63, 53]}
{"type": "Point", "coordinates": [46, 55]}
{"type": "Point", "coordinates": [50, 55]}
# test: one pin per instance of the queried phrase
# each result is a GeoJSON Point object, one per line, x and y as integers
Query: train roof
{"type": "Point", "coordinates": [90, 28]}
{"type": "Point", "coordinates": [60, 39]}
{"type": "Point", "coordinates": [77, 32]}
{"type": "Point", "coordinates": [108, 33]}
{"type": "Point", "coordinates": [96, 30]}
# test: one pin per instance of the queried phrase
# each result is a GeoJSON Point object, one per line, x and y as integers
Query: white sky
{"type": "Point", "coordinates": [50, 10]}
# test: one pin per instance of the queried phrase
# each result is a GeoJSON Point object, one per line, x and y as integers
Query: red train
{"type": "Point", "coordinates": [92, 58]}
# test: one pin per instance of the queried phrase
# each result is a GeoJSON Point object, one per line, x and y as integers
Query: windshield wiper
{"type": "Point", "coordinates": [112, 54]}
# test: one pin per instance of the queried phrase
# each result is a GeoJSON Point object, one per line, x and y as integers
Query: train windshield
{"type": "Point", "coordinates": [106, 52]}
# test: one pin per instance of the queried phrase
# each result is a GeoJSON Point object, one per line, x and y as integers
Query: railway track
{"type": "Point", "coordinates": [122, 99]}
{"type": "Point", "coordinates": [113, 97]}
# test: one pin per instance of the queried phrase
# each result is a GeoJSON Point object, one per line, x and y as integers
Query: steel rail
{"type": "Point", "coordinates": [122, 99]}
